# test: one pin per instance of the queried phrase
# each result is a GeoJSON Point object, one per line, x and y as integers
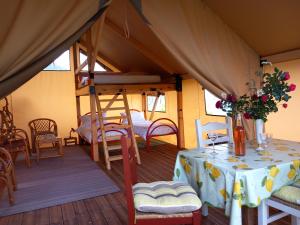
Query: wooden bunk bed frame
{"type": "Point", "coordinates": [95, 90]}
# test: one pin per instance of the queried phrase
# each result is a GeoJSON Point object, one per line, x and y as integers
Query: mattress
{"type": "Point", "coordinates": [123, 79]}
{"type": "Point", "coordinates": [141, 127]}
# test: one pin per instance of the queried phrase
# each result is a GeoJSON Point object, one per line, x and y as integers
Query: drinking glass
{"type": "Point", "coordinates": [266, 139]}
{"type": "Point", "coordinates": [213, 137]}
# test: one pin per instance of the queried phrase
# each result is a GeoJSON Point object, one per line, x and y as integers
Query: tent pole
{"type": "Point", "coordinates": [154, 106]}
{"type": "Point", "coordinates": [180, 137]}
{"type": "Point", "coordinates": [78, 110]}
{"type": "Point", "coordinates": [144, 96]}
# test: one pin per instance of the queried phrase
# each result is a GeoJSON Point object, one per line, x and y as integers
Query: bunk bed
{"type": "Point", "coordinates": [147, 129]}
{"type": "Point", "coordinates": [107, 88]}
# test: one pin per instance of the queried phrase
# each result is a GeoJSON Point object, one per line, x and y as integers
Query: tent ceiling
{"type": "Point", "coordinates": [141, 51]}
{"type": "Point", "coordinates": [270, 26]}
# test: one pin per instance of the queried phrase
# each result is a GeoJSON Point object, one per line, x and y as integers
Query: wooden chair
{"type": "Point", "coordinates": [44, 131]}
{"type": "Point", "coordinates": [285, 208]}
{"type": "Point", "coordinates": [11, 138]}
{"type": "Point", "coordinates": [213, 126]}
{"type": "Point", "coordinates": [140, 218]}
{"type": "Point", "coordinates": [7, 173]}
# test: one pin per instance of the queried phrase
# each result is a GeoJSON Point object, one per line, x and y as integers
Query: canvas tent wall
{"type": "Point", "coordinates": [183, 37]}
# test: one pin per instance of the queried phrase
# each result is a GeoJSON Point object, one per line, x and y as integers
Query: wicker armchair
{"type": "Point", "coordinates": [7, 173]}
{"type": "Point", "coordinates": [11, 138]}
{"type": "Point", "coordinates": [42, 129]}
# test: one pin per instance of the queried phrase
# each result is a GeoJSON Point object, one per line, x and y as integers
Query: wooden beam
{"type": "Point", "coordinates": [144, 104]}
{"type": "Point", "coordinates": [77, 71]}
{"type": "Point", "coordinates": [154, 106]}
{"type": "Point", "coordinates": [140, 47]}
{"type": "Point", "coordinates": [180, 137]}
{"type": "Point", "coordinates": [283, 57]}
{"type": "Point", "coordinates": [103, 59]}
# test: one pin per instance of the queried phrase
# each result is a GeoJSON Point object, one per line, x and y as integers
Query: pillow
{"type": "Point", "coordinates": [289, 193]}
{"type": "Point", "coordinates": [86, 120]}
{"type": "Point", "coordinates": [165, 197]}
{"type": "Point", "coordinates": [135, 116]}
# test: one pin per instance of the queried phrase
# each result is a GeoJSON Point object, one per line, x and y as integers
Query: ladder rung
{"type": "Point", "coordinates": [116, 108]}
{"type": "Point", "coordinates": [115, 157]}
{"type": "Point", "coordinates": [115, 127]}
{"type": "Point", "coordinates": [114, 117]}
{"type": "Point", "coordinates": [113, 147]}
{"type": "Point", "coordinates": [108, 100]}
{"type": "Point", "coordinates": [113, 138]}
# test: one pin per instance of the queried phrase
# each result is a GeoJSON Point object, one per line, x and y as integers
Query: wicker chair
{"type": "Point", "coordinates": [7, 173]}
{"type": "Point", "coordinates": [44, 131]}
{"type": "Point", "coordinates": [11, 138]}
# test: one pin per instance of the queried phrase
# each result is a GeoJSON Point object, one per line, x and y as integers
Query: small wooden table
{"type": "Point", "coordinates": [56, 143]}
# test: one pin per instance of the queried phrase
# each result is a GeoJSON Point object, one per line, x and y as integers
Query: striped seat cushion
{"type": "Point", "coordinates": [290, 193]}
{"type": "Point", "coordinates": [165, 197]}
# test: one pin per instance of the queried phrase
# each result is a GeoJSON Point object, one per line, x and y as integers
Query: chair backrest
{"type": "Point", "coordinates": [213, 126]}
{"type": "Point", "coordinates": [43, 126]}
{"type": "Point", "coordinates": [130, 174]}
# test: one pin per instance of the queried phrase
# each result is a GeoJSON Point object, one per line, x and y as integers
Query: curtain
{"type": "Point", "coordinates": [33, 33]}
{"type": "Point", "coordinates": [203, 44]}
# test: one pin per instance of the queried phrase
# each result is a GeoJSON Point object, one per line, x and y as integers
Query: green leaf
{"type": "Point", "coordinates": [292, 167]}
{"type": "Point", "coordinates": [252, 205]}
{"type": "Point", "coordinates": [200, 184]}
{"type": "Point", "coordinates": [263, 183]}
{"type": "Point", "coordinates": [242, 183]}
{"type": "Point", "coordinates": [211, 177]}
{"type": "Point", "coordinates": [236, 197]}
{"type": "Point", "coordinates": [271, 166]}
{"type": "Point", "coordinates": [178, 172]}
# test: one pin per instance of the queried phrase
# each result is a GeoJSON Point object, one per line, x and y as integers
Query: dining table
{"type": "Point", "coordinates": [227, 181]}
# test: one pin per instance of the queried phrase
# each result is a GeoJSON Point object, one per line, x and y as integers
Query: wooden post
{"type": "Point", "coordinates": [154, 106]}
{"type": "Point", "coordinates": [144, 106]}
{"type": "Point", "coordinates": [180, 142]}
{"type": "Point", "coordinates": [78, 109]}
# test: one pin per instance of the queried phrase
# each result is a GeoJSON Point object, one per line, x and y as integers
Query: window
{"type": "Point", "coordinates": [210, 104]}
{"type": "Point", "coordinates": [98, 67]}
{"type": "Point", "coordinates": [161, 104]}
{"type": "Point", "coordinates": [61, 63]}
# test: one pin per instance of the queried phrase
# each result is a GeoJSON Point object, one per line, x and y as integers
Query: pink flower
{"type": "Point", "coordinates": [218, 104]}
{"type": "Point", "coordinates": [264, 98]}
{"type": "Point", "coordinates": [286, 76]}
{"type": "Point", "coordinates": [292, 87]}
{"type": "Point", "coordinates": [247, 116]}
{"type": "Point", "coordinates": [231, 98]}
{"type": "Point", "coordinates": [285, 105]}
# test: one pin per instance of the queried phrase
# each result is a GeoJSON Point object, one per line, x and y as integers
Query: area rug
{"type": "Point", "coordinates": [56, 181]}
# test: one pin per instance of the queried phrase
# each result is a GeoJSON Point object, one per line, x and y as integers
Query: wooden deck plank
{"type": "Point", "coordinates": [157, 164]}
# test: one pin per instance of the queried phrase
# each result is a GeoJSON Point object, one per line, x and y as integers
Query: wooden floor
{"type": "Point", "coordinates": [111, 209]}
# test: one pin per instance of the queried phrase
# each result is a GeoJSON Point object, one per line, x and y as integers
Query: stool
{"type": "Point", "coordinates": [56, 143]}
{"type": "Point", "coordinates": [69, 141]}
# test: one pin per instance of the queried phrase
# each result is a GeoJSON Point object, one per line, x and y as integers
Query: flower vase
{"type": "Point", "coordinates": [259, 127]}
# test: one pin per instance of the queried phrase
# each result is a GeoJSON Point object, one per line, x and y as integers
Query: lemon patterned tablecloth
{"type": "Point", "coordinates": [227, 181]}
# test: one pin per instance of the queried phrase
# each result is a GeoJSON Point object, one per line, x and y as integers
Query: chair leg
{"type": "Point", "coordinates": [263, 213]}
{"type": "Point", "coordinates": [295, 220]}
{"type": "Point", "coordinates": [196, 218]}
{"type": "Point", "coordinates": [37, 150]}
{"type": "Point", "coordinates": [27, 157]}
{"type": "Point", "coordinates": [148, 144]}
{"type": "Point", "coordinates": [61, 152]}
{"type": "Point", "coordinates": [13, 179]}
{"type": "Point", "coordinates": [10, 190]}
{"type": "Point", "coordinates": [204, 210]}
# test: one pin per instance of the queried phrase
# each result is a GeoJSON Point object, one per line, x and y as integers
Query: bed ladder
{"type": "Point", "coordinates": [108, 148]}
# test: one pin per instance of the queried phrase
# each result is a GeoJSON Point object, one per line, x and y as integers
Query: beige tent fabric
{"type": "Point", "coordinates": [32, 29]}
{"type": "Point", "coordinates": [203, 44]}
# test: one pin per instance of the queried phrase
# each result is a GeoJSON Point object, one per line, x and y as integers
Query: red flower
{"type": "Point", "coordinates": [292, 87]}
{"type": "Point", "coordinates": [254, 97]}
{"type": "Point", "coordinates": [286, 76]}
{"type": "Point", "coordinates": [247, 116]}
{"type": "Point", "coordinates": [285, 105]}
{"type": "Point", "coordinates": [264, 98]}
{"type": "Point", "coordinates": [218, 104]}
{"type": "Point", "coordinates": [231, 98]}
